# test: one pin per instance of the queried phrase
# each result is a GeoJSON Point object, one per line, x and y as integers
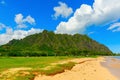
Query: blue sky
{"type": "Point", "coordinates": [99, 19]}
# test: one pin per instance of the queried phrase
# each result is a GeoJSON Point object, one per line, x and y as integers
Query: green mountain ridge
{"type": "Point", "coordinates": [51, 44]}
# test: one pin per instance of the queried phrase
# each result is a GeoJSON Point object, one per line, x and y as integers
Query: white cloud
{"type": "Point", "coordinates": [2, 26]}
{"type": "Point", "coordinates": [114, 27]}
{"type": "Point", "coordinates": [19, 18]}
{"type": "Point", "coordinates": [21, 21]}
{"type": "Point", "coordinates": [21, 26]}
{"type": "Point", "coordinates": [33, 31]}
{"type": "Point", "coordinates": [62, 10]}
{"type": "Point", "coordinates": [101, 12]}
{"type": "Point", "coordinates": [9, 31]}
{"type": "Point", "coordinates": [91, 33]}
{"type": "Point", "coordinates": [17, 34]}
{"type": "Point", "coordinates": [29, 19]}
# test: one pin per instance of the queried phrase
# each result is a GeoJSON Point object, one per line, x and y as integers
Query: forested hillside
{"type": "Point", "coordinates": [51, 44]}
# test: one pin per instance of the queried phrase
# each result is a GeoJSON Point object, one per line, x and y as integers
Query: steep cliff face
{"type": "Point", "coordinates": [49, 43]}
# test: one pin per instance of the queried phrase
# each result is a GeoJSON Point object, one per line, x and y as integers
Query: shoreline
{"type": "Point", "coordinates": [89, 70]}
{"type": "Point", "coordinates": [113, 65]}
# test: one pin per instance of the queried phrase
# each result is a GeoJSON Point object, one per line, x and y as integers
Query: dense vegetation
{"type": "Point", "coordinates": [51, 44]}
{"type": "Point", "coordinates": [116, 54]}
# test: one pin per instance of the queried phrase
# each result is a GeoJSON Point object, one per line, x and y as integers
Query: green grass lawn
{"type": "Point", "coordinates": [36, 63]}
{"type": "Point", "coordinates": [32, 62]}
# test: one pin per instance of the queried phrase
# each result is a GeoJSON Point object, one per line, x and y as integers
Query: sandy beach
{"type": "Point", "coordinates": [86, 69]}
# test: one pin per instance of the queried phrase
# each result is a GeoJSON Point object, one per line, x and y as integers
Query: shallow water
{"type": "Point", "coordinates": [117, 57]}
{"type": "Point", "coordinates": [113, 64]}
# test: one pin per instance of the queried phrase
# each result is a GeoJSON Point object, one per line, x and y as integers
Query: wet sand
{"type": "Point", "coordinates": [113, 65]}
{"type": "Point", "coordinates": [91, 69]}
